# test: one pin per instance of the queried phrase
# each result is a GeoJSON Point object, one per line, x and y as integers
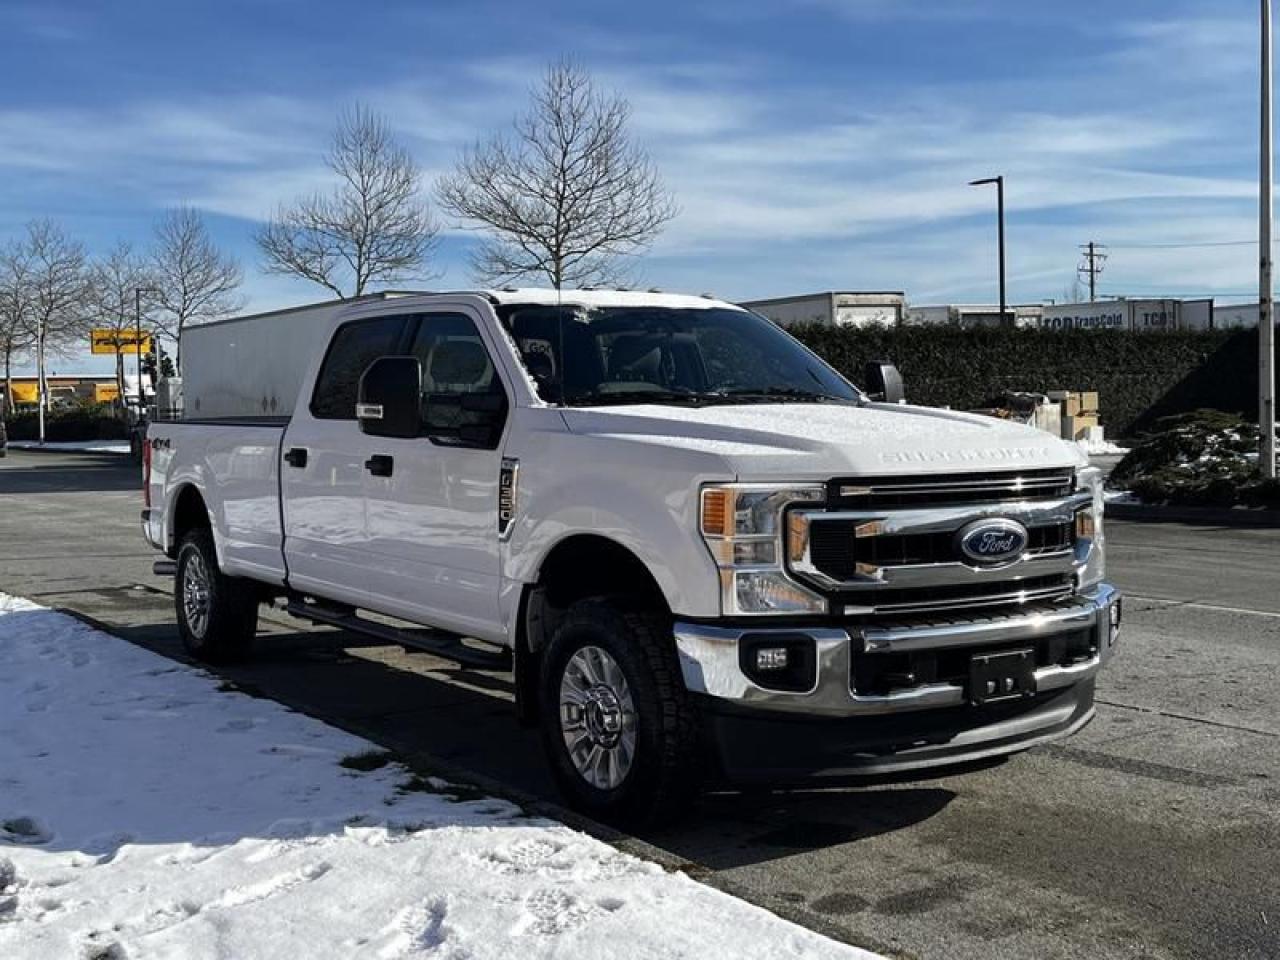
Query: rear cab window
{"type": "Point", "coordinates": [355, 345]}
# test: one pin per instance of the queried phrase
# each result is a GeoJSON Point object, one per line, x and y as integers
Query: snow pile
{"type": "Point", "coordinates": [1202, 458]}
{"type": "Point", "coordinates": [1101, 448]}
{"type": "Point", "coordinates": [146, 813]}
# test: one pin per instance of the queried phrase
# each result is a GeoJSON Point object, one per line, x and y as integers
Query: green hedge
{"type": "Point", "coordinates": [1140, 377]}
{"type": "Point", "coordinates": [82, 422]}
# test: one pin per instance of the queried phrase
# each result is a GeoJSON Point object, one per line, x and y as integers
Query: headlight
{"type": "Point", "coordinates": [743, 527]}
{"type": "Point", "coordinates": [1090, 539]}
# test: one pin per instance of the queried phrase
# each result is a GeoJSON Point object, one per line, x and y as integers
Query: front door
{"type": "Point", "coordinates": [433, 523]}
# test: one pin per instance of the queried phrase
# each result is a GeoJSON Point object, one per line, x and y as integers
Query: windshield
{"type": "Point", "coordinates": [619, 355]}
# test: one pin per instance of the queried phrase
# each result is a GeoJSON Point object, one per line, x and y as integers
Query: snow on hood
{"type": "Point", "coordinates": [803, 441]}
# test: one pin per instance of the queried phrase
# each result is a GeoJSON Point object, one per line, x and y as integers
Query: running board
{"type": "Point", "coordinates": [448, 646]}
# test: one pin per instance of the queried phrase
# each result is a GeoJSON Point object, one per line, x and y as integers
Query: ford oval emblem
{"type": "Point", "coordinates": [991, 542]}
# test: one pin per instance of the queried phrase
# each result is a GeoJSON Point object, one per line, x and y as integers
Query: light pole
{"type": "Point", "coordinates": [137, 322]}
{"type": "Point", "coordinates": [1266, 324]}
{"type": "Point", "coordinates": [999, 182]}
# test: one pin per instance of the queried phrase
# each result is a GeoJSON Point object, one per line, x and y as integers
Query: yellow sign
{"type": "Point", "coordinates": [105, 392]}
{"type": "Point", "coordinates": [23, 392]}
{"type": "Point", "coordinates": [118, 341]}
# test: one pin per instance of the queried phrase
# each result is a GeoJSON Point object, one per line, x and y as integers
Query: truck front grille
{"type": "Point", "coordinates": [838, 552]}
{"type": "Point", "coordinates": [891, 546]}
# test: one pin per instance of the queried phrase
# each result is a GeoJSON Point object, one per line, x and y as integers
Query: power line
{"type": "Point", "coordinates": [1184, 246]}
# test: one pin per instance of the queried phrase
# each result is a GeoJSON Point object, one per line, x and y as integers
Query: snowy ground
{"type": "Point", "coordinates": [144, 812]}
{"type": "Point", "coordinates": [83, 446]}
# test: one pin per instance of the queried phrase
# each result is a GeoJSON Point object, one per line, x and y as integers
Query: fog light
{"type": "Point", "coordinates": [772, 658]}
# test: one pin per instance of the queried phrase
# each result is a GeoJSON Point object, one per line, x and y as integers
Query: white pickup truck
{"type": "Point", "coordinates": [704, 554]}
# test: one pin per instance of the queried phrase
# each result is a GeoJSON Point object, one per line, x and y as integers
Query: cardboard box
{"type": "Point", "coordinates": [1076, 403]}
{"type": "Point", "coordinates": [1077, 427]}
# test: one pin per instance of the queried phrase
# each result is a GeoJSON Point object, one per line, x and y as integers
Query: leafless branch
{"type": "Point", "coordinates": [372, 229]}
{"type": "Point", "coordinates": [566, 195]}
{"type": "Point", "coordinates": [193, 280]}
{"type": "Point", "coordinates": [115, 284]}
{"type": "Point", "coordinates": [57, 281]}
{"type": "Point", "coordinates": [17, 314]}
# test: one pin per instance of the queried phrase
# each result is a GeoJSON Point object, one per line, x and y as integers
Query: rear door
{"type": "Point", "coordinates": [323, 469]}
{"type": "Point", "coordinates": [433, 524]}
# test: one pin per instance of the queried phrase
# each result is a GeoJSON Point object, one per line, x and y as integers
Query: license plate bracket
{"type": "Point", "coordinates": [1007, 675]}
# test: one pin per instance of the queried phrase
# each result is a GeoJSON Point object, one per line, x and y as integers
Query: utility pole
{"type": "Point", "coordinates": [42, 384]}
{"type": "Point", "coordinates": [1266, 324]}
{"type": "Point", "coordinates": [999, 182]}
{"type": "Point", "coordinates": [137, 332]}
{"type": "Point", "coordinates": [1092, 267]}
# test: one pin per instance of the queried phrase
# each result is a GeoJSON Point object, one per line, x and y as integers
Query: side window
{"type": "Point", "coordinates": [462, 395]}
{"type": "Point", "coordinates": [354, 347]}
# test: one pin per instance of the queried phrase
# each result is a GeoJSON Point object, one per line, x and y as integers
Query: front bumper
{"type": "Point", "coordinates": [832, 728]}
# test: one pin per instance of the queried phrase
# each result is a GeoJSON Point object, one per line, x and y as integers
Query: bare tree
{"type": "Point", "coordinates": [567, 195]}
{"type": "Point", "coordinates": [56, 280]}
{"type": "Point", "coordinates": [373, 228]}
{"type": "Point", "coordinates": [193, 280]}
{"type": "Point", "coordinates": [17, 315]}
{"type": "Point", "coordinates": [115, 284]}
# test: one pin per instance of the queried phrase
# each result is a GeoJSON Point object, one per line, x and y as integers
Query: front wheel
{"type": "Point", "coordinates": [617, 724]}
{"type": "Point", "coordinates": [217, 615]}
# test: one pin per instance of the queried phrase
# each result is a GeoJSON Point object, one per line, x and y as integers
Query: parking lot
{"type": "Point", "coordinates": [1155, 833]}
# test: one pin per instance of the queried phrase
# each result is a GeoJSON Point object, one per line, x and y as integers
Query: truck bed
{"type": "Point", "coordinates": [236, 463]}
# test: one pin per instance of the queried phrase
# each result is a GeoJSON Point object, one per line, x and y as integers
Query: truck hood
{"type": "Point", "coordinates": [801, 441]}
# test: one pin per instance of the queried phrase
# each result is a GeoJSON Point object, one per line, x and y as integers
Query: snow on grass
{"type": "Point", "coordinates": [81, 446]}
{"type": "Point", "coordinates": [146, 813]}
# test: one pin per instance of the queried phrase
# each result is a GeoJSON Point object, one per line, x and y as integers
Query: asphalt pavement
{"type": "Point", "coordinates": [1154, 833]}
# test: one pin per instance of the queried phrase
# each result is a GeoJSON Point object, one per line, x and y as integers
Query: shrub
{"type": "Point", "coordinates": [82, 421]}
{"type": "Point", "coordinates": [1140, 377]}
{"type": "Point", "coordinates": [1203, 458]}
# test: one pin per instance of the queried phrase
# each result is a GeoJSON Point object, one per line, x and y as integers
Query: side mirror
{"type": "Point", "coordinates": [390, 398]}
{"type": "Point", "coordinates": [883, 382]}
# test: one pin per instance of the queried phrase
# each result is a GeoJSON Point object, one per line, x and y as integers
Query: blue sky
{"type": "Point", "coordinates": [811, 144]}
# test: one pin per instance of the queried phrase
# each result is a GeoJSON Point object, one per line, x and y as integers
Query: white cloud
{"type": "Point", "coordinates": [784, 185]}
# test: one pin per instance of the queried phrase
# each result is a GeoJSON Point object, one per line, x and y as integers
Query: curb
{"type": "Point", "coordinates": [1241, 517]}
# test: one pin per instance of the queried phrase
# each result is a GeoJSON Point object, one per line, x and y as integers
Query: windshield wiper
{"type": "Point", "coordinates": [600, 399]}
{"type": "Point", "coordinates": [768, 394]}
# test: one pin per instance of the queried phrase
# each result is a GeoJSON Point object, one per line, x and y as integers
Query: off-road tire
{"type": "Point", "coordinates": [226, 632]}
{"type": "Point", "coordinates": [663, 775]}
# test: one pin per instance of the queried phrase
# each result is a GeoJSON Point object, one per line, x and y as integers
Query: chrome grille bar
{"type": "Point", "coordinates": [871, 608]}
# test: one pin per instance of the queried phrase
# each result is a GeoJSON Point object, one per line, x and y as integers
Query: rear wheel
{"type": "Point", "coordinates": [217, 615]}
{"type": "Point", "coordinates": [617, 724]}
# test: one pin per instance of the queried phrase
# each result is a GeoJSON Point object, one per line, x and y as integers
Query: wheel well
{"type": "Point", "coordinates": [189, 513]}
{"type": "Point", "coordinates": [578, 567]}
{"type": "Point", "coordinates": [591, 566]}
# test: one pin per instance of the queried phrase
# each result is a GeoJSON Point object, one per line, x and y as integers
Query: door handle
{"type": "Point", "coordinates": [380, 465]}
{"type": "Point", "coordinates": [296, 457]}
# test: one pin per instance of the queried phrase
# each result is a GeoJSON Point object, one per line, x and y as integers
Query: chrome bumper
{"type": "Point", "coordinates": [709, 657]}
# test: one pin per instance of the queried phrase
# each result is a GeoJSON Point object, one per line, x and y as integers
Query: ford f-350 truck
{"type": "Point", "coordinates": [704, 554]}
